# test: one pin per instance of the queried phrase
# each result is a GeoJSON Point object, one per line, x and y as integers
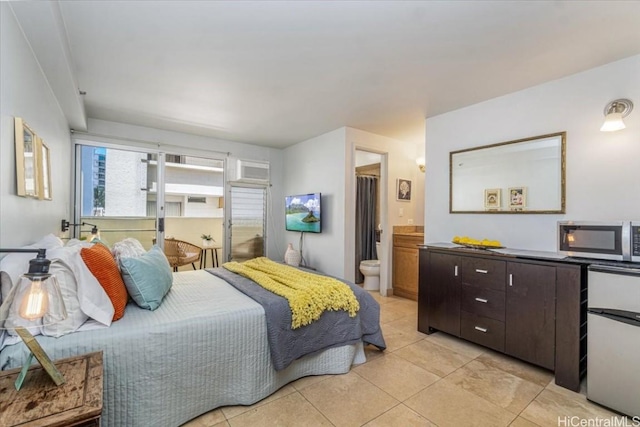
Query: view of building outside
{"type": "Point", "coordinates": [119, 192]}
{"type": "Point", "coordinates": [93, 180]}
{"type": "Point", "coordinates": [118, 183]}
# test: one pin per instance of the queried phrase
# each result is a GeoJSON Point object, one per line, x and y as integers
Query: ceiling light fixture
{"type": "Point", "coordinates": [614, 112]}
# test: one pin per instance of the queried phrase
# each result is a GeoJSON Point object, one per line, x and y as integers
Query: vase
{"type": "Point", "coordinates": [207, 242]}
{"type": "Point", "coordinates": [291, 256]}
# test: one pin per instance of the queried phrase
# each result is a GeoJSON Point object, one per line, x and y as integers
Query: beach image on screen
{"type": "Point", "coordinates": [303, 213]}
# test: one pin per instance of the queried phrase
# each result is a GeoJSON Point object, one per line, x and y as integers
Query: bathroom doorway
{"type": "Point", "coordinates": [368, 222]}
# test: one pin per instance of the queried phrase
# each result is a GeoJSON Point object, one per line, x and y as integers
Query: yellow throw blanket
{"type": "Point", "coordinates": [309, 294]}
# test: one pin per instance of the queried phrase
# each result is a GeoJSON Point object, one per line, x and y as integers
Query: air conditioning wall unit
{"type": "Point", "coordinates": [249, 171]}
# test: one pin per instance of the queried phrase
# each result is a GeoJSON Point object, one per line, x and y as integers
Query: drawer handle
{"type": "Point", "coordinates": [510, 279]}
{"type": "Point", "coordinates": [483, 330]}
{"type": "Point", "coordinates": [455, 271]}
{"type": "Point", "coordinates": [482, 300]}
{"type": "Point", "coordinates": [481, 271]}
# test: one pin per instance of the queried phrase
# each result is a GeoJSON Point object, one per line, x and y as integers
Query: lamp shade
{"type": "Point", "coordinates": [32, 299]}
{"type": "Point", "coordinates": [612, 122]}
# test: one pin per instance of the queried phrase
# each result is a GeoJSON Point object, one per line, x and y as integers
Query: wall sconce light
{"type": "Point", "coordinates": [421, 164]}
{"type": "Point", "coordinates": [64, 225]}
{"type": "Point", "coordinates": [614, 112]}
{"type": "Point", "coordinates": [37, 295]}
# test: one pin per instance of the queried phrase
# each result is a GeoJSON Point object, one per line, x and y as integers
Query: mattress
{"type": "Point", "coordinates": [204, 347]}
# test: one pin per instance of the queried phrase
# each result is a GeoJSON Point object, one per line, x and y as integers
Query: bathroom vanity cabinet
{"type": "Point", "coordinates": [405, 264]}
{"type": "Point", "coordinates": [532, 309]}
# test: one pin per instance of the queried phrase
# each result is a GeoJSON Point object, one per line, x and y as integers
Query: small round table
{"type": "Point", "coordinates": [214, 256]}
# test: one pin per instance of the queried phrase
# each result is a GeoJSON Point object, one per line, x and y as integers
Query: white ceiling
{"type": "Point", "coordinates": [276, 73]}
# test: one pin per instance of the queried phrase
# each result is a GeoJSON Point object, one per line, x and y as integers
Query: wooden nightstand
{"type": "Point", "coordinates": [77, 402]}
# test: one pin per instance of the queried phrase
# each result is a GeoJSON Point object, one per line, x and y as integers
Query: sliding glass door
{"type": "Point", "coordinates": [149, 196]}
{"type": "Point", "coordinates": [111, 193]}
{"type": "Point", "coordinates": [193, 200]}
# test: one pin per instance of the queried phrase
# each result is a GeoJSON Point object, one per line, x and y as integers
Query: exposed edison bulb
{"type": "Point", "coordinates": [35, 302]}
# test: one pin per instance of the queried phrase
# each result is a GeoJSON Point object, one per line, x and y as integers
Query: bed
{"type": "Point", "coordinates": [206, 346]}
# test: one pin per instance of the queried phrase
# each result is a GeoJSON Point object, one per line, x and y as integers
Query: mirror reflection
{"type": "Point", "coordinates": [522, 176]}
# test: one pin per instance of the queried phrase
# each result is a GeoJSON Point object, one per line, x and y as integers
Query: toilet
{"type": "Point", "coordinates": [371, 271]}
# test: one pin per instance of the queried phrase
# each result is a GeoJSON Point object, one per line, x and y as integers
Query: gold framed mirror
{"type": "Point", "coordinates": [44, 171]}
{"type": "Point", "coordinates": [528, 172]}
{"type": "Point", "coordinates": [26, 143]}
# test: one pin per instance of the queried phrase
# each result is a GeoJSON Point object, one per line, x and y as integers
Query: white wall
{"type": "Point", "coordinates": [317, 165]}
{"type": "Point", "coordinates": [603, 182]}
{"type": "Point", "coordinates": [26, 93]}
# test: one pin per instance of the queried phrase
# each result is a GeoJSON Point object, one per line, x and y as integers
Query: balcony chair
{"type": "Point", "coordinates": [180, 253]}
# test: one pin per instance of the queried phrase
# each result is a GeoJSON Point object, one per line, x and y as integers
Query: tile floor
{"type": "Point", "coordinates": [420, 380]}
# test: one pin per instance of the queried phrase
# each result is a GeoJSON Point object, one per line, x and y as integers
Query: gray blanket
{"type": "Point", "coordinates": [334, 328]}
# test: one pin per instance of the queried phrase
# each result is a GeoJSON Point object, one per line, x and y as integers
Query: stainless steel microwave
{"type": "Point", "coordinates": [635, 241]}
{"type": "Point", "coordinates": [601, 240]}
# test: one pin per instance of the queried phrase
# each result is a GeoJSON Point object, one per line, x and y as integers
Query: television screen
{"type": "Point", "coordinates": [303, 213]}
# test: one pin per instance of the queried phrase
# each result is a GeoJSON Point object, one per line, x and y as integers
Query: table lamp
{"type": "Point", "coordinates": [36, 296]}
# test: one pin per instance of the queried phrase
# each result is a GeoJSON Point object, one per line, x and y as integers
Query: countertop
{"type": "Point", "coordinates": [408, 230]}
{"type": "Point", "coordinates": [517, 253]}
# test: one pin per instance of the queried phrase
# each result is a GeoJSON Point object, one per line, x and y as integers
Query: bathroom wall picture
{"type": "Point", "coordinates": [403, 187]}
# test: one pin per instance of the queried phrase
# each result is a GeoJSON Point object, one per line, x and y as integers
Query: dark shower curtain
{"type": "Point", "coordinates": [365, 221]}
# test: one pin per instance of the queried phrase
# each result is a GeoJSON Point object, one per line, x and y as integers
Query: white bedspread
{"type": "Point", "coordinates": [204, 347]}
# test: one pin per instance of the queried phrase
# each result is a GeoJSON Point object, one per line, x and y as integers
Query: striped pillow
{"type": "Point", "coordinates": [100, 262]}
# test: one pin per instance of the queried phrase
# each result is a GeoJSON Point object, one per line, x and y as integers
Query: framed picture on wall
{"type": "Point", "coordinates": [492, 199]}
{"type": "Point", "coordinates": [517, 198]}
{"type": "Point", "coordinates": [27, 155]}
{"type": "Point", "coordinates": [403, 190]}
{"type": "Point", "coordinates": [44, 171]}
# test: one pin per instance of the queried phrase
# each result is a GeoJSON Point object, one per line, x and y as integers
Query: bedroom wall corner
{"type": "Point", "coordinates": [26, 93]}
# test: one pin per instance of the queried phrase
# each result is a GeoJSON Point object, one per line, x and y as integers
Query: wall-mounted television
{"type": "Point", "coordinates": [302, 213]}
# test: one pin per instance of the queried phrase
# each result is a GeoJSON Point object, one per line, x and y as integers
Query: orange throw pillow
{"type": "Point", "coordinates": [103, 266]}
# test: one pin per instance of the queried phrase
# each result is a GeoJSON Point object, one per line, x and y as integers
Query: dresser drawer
{"type": "Point", "coordinates": [411, 242]}
{"type": "Point", "coordinates": [482, 330]}
{"type": "Point", "coordinates": [483, 302]}
{"type": "Point", "coordinates": [484, 273]}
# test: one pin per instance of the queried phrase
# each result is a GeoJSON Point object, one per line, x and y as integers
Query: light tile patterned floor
{"type": "Point", "coordinates": [421, 380]}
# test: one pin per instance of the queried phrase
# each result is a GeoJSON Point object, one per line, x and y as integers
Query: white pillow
{"type": "Point", "coordinates": [83, 291]}
{"type": "Point", "coordinates": [69, 289]}
{"type": "Point", "coordinates": [127, 248]}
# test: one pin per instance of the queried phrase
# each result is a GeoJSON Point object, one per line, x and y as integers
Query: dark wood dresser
{"type": "Point", "coordinates": [532, 309]}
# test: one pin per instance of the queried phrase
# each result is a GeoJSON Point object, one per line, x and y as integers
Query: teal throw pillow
{"type": "Point", "coordinates": [148, 278]}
